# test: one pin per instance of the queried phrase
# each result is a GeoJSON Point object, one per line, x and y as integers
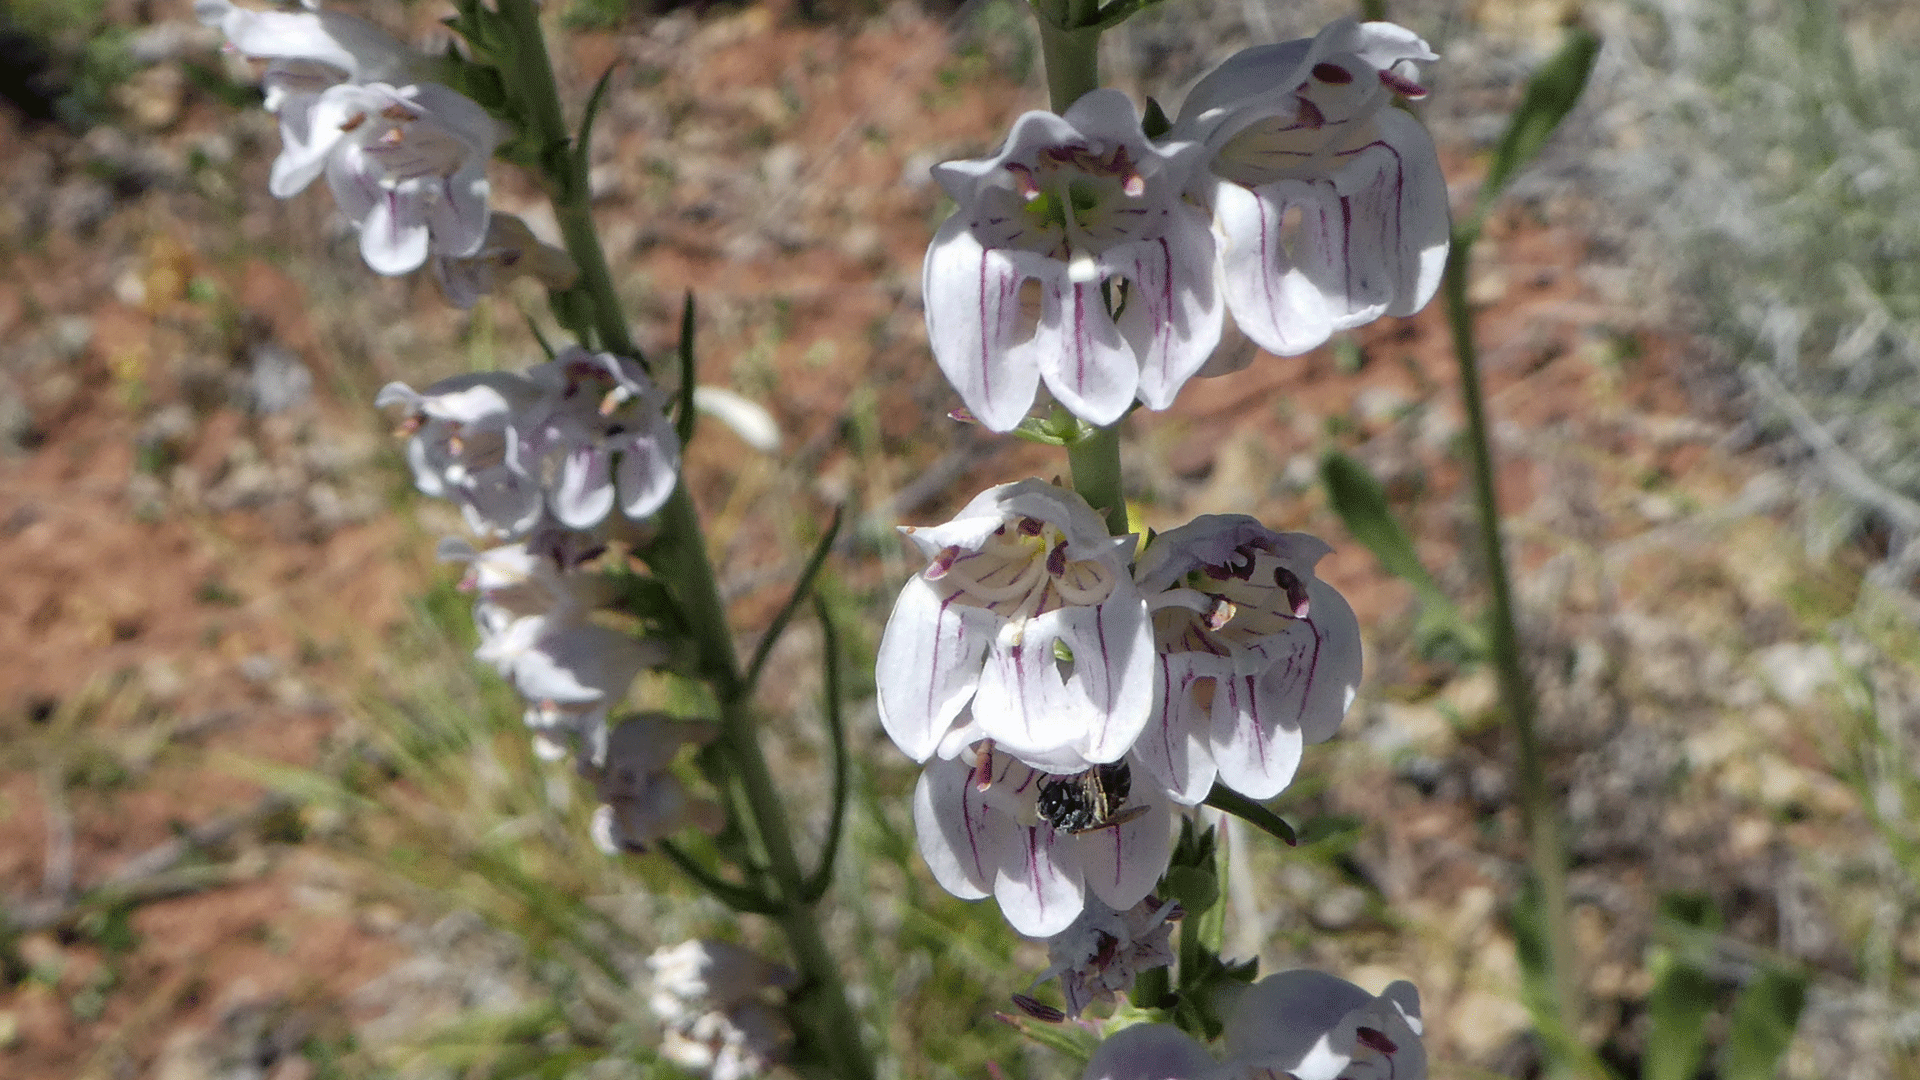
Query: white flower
{"type": "Point", "coordinates": [1257, 656]}
{"type": "Point", "coordinates": [1308, 126]}
{"type": "Point", "coordinates": [463, 443]}
{"type": "Point", "coordinates": [712, 998]}
{"type": "Point", "coordinates": [510, 250]}
{"type": "Point", "coordinates": [308, 52]}
{"type": "Point", "coordinates": [1305, 1024]}
{"type": "Point", "coordinates": [1026, 629]}
{"type": "Point", "coordinates": [1317, 1026]}
{"type": "Point", "coordinates": [1084, 206]}
{"type": "Point", "coordinates": [599, 438]}
{"type": "Point", "coordinates": [407, 163]}
{"type": "Point", "coordinates": [1101, 953]}
{"type": "Point", "coordinates": [642, 800]}
{"type": "Point", "coordinates": [982, 830]}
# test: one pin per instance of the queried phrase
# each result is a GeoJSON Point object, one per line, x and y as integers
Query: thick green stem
{"type": "Point", "coordinates": [529, 73]}
{"type": "Point", "coordinates": [1546, 852]}
{"type": "Point", "coordinates": [1094, 460]}
{"type": "Point", "coordinates": [1072, 61]}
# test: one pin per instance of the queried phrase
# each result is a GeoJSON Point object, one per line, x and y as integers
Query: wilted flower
{"type": "Point", "coordinates": [463, 447]}
{"type": "Point", "coordinates": [509, 251]}
{"type": "Point", "coordinates": [990, 825]}
{"type": "Point", "coordinates": [598, 437]}
{"type": "Point", "coordinates": [1302, 1024]}
{"type": "Point", "coordinates": [1257, 656]}
{"type": "Point", "coordinates": [1104, 950]}
{"type": "Point", "coordinates": [1308, 125]}
{"type": "Point", "coordinates": [743, 1042]}
{"type": "Point", "coordinates": [1084, 206]}
{"type": "Point", "coordinates": [1026, 629]}
{"type": "Point", "coordinates": [642, 801]}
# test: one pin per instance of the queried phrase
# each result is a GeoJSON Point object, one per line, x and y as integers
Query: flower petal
{"type": "Point", "coordinates": [973, 318]}
{"type": "Point", "coordinates": [1149, 1052]}
{"type": "Point", "coordinates": [1272, 299]}
{"type": "Point", "coordinates": [1079, 352]}
{"type": "Point", "coordinates": [957, 829]}
{"type": "Point", "coordinates": [1256, 741]}
{"type": "Point", "coordinates": [1174, 747]}
{"type": "Point", "coordinates": [1039, 886]}
{"type": "Point", "coordinates": [582, 496]}
{"type": "Point", "coordinates": [1174, 312]}
{"type": "Point", "coordinates": [1121, 863]}
{"type": "Point", "coordinates": [648, 471]}
{"type": "Point", "coordinates": [1281, 1022]}
{"type": "Point", "coordinates": [928, 666]}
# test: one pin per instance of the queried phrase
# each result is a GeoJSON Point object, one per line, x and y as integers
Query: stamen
{"type": "Point", "coordinates": [353, 121]}
{"type": "Point", "coordinates": [1057, 559]}
{"type": "Point", "coordinates": [1131, 182]}
{"type": "Point", "coordinates": [1031, 526]}
{"type": "Point", "coordinates": [397, 112]}
{"type": "Point", "coordinates": [1332, 73]}
{"type": "Point", "coordinates": [941, 563]}
{"type": "Point", "coordinates": [1223, 612]}
{"type": "Point", "coordinates": [1309, 116]}
{"type": "Point", "coordinates": [1295, 589]}
{"type": "Point", "coordinates": [615, 398]}
{"type": "Point", "coordinates": [983, 768]}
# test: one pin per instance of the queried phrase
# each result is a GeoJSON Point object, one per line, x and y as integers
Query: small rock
{"type": "Point", "coordinates": [277, 380]}
{"type": "Point", "coordinates": [1338, 909]}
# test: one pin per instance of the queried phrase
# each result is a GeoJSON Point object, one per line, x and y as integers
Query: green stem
{"type": "Point", "coordinates": [1094, 460]}
{"type": "Point", "coordinates": [529, 73]}
{"type": "Point", "coordinates": [1072, 62]}
{"type": "Point", "coordinates": [822, 1012]}
{"type": "Point", "coordinates": [1546, 851]}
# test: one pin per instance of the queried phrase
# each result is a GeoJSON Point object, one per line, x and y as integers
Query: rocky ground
{"type": "Point", "coordinates": [210, 549]}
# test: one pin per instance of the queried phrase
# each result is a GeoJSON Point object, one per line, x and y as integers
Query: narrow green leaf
{"type": "Point", "coordinates": [801, 590]}
{"type": "Point", "coordinates": [1362, 505]}
{"type": "Point", "coordinates": [582, 143]}
{"type": "Point", "coordinates": [1225, 798]}
{"type": "Point", "coordinates": [1154, 122]}
{"type": "Point", "coordinates": [1550, 96]}
{"type": "Point", "coordinates": [737, 897]}
{"type": "Point", "coordinates": [1682, 999]}
{"type": "Point", "coordinates": [1764, 1018]}
{"type": "Point", "coordinates": [816, 886]}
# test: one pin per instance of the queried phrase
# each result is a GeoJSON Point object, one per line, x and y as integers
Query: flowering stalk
{"type": "Point", "coordinates": [826, 1020]}
{"type": "Point", "coordinates": [529, 73]}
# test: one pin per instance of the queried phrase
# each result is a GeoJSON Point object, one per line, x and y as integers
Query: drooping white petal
{"type": "Point", "coordinates": [1282, 1022]}
{"type": "Point", "coordinates": [1174, 312]}
{"type": "Point", "coordinates": [1038, 890]}
{"type": "Point", "coordinates": [1079, 352]}
{"type": "Point", "coordinates": [928, 665]}
{"type": "Point", "coordinates": [1175, 748]}
{"type": "Point", "coordinates": [1149, 1052]}
{"type": "Point", "coordinates": [1112, 647]}
{"type": "Point", "coordinates": [1336, 676]}
{"type": "Point", "coordinates": [1121, 863]}
{"type": "Point", "coordinates": [1256, 741]}
{"type": "Point", "coordinates": [973, 317]}
{"type": "Point", "coordinates": [649, 470]}
{"type": "Point", "coordinates": [1424, 223]}
{"type": "Point", "coordinates": [1273, 300]}
{"type": "Point", "coordinates": [958, 830]}
{"type": "Point", "coordinates": [582, 495]}
{"type": "Point", "coordinates": [458, 215]}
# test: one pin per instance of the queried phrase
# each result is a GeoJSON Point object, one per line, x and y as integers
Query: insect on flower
{"type": "Point", "coordinates": [1084, 802]}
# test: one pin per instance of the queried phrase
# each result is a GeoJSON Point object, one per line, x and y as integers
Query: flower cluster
{"type": "Point", "coordinates": [1134, 249]}
{"type": "Point", "coordinates": [543, 458]}
{"type": "Point", "coordinates": [713, 999]}
{"type": "Point", "coordinates": [1066, 697]}
{"type": "Point", "coordinates": [1302, 1023]}
{"type": "Point", "coordinates": [405, 158]}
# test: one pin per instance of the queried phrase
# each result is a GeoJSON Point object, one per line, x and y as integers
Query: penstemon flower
{"type": "Point", "coordinates": [1025, 628]}
{"type": "Point", "coordinates": [463, 446]}
{"type": "Point", "coordinates": [1085, 207]}
{"type": "Point", "coordinates": [598, 438]}
{"type": "Point", "coordinates": [307, 53]}
{"type": "Point", "coordinates": [989, 825]}
{"type": "Point", "coordinates": [1302, 1024]}
{"type": "Point", "coordinates": [1308, 125]}
{"type": "Point", "coordinates": [1257, 656]}
{"type": "Point", "coordinates": [407, 163]}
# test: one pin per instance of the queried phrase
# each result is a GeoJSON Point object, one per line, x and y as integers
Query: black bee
{"type": "Point", "coordinates": [1095, 799]}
